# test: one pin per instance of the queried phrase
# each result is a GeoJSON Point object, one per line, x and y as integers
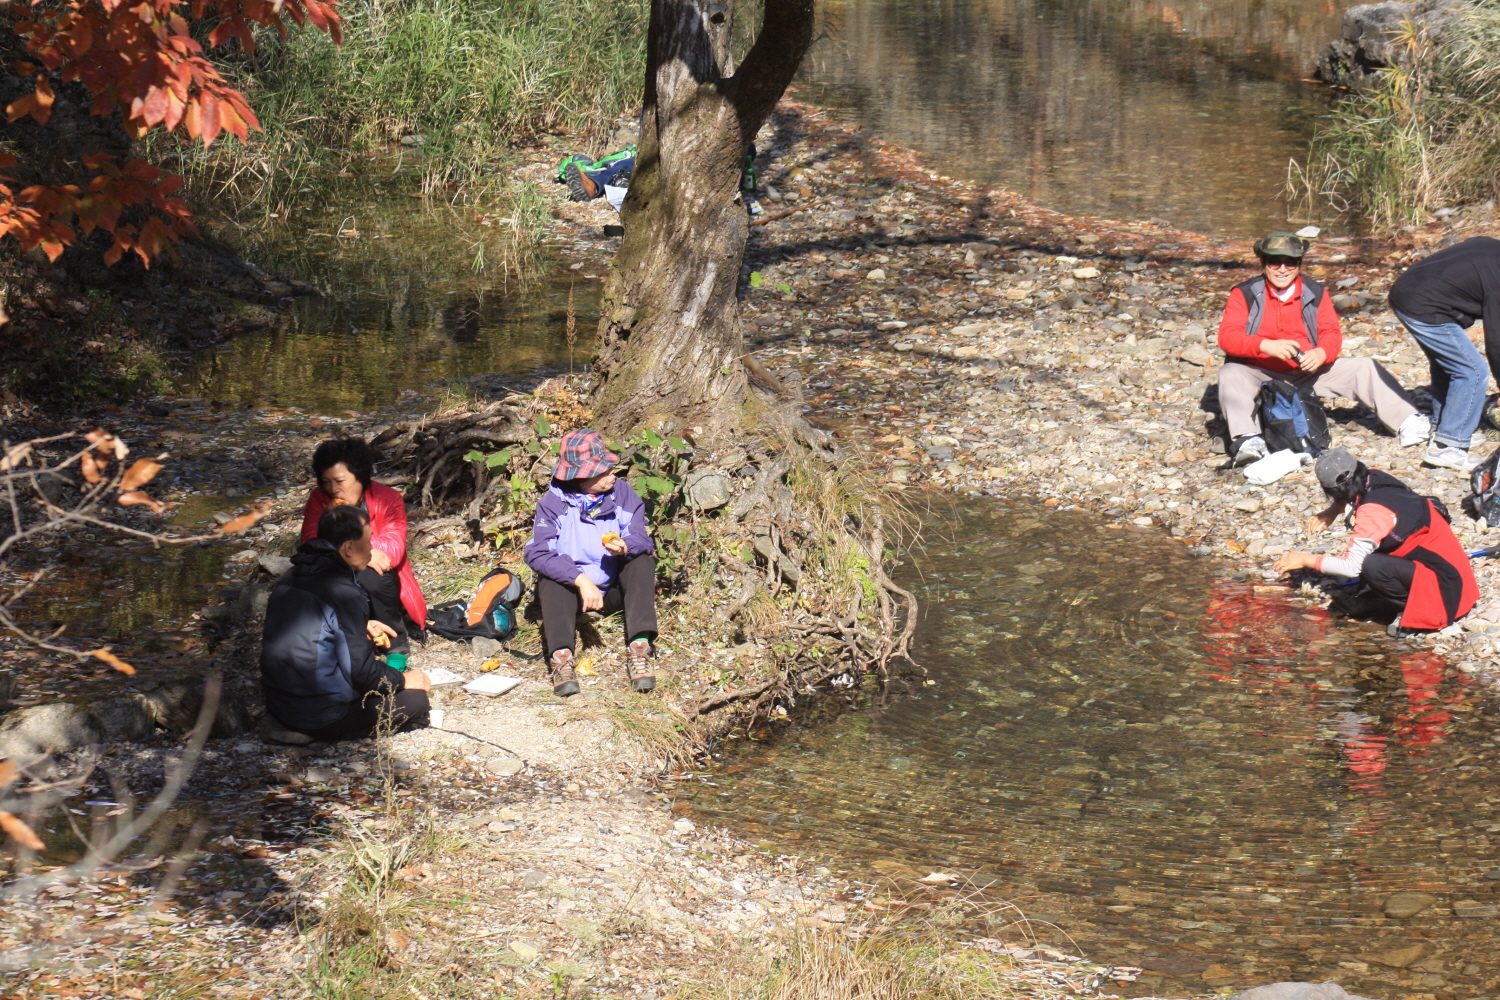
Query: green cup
{"type": "Point", "coordinates": [396, 661]}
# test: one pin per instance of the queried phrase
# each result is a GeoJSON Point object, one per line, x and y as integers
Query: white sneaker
{"type": "Point", "coordinates": [1449, 458]}
{"type": "Point", "coordinates": [1250, 449]}
{"type": "Point", "coordinates": [1414, 430]}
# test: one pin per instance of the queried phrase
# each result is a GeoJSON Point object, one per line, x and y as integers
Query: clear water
{"type": "Point", "coordinates": [1114, 725]}
{"type": "Point", "coordinates": [1131, 109]}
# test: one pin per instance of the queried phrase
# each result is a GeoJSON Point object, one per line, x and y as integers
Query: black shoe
{"type": "Point", "coordinates": [580, 185]}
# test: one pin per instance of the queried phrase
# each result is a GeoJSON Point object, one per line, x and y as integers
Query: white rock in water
{"type": "Point", "coordinates": [876, 275]}
{"type": "Point", "coordinates": [1085, 272]}
{"type": "Point", "coordinates": [894, 324]}
{"type": "Point", "coordinates": [969, 329]}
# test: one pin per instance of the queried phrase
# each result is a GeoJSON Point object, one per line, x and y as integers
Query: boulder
{"type": "Point", "coordinates": [70, 725]}
{"type": "Point", "coordinates": [1407, 904]}
{"type": "Point", "coordinates": [1369, 44]}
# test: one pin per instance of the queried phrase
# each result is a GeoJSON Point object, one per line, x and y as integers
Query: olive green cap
{"type": "Point", "coordinates": [1282, 245]}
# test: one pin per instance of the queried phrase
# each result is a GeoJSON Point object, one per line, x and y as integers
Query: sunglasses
{"type": "Point", "coordinates": [1292, 262]}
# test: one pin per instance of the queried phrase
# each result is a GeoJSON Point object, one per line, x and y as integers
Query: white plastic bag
{"type": "Point", "coordinates": [1267, 470]}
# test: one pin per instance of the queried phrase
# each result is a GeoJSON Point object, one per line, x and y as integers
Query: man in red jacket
{"type": "Point", "coordinates": [1283, 325]}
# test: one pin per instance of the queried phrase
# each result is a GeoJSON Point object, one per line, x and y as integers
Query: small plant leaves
{"type": "Point", "coordinates": [784, 288]}
{"type": "Point", "coordinates": [542, 427]}
{"type": "Point", "coordinates": [657, 485]}
{"type": "Point", "coordinates": [653, 440]}
{"type": "Point", "coordinates": [757, 279]}
{"type": "Point", "coordinates": [473, 455]}
{"type": "Point", "coordinates": [498, 460]}
{"type": "Point", "coordinates": [21, 832]}
{"type": "Point", "coordinates": [678, 445]}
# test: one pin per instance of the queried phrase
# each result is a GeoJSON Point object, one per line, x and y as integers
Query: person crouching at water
{"type": "Point", "coordinates": [317, 659]}
{"type": "Point", "coordinates": [590, 551]}
{"type": "Point", "coordinates": [1282, 325]}
{"type": "Point", "coordinates": [345, 471]}
{"type": "Point", "coordinates": [1402, 548]}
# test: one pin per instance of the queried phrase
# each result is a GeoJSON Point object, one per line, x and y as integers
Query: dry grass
{"type": "Point", "coordinates": [1427, 136]}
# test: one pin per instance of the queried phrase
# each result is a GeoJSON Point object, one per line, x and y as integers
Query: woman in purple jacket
{"type": "Point", "coordinates": [590, 551]}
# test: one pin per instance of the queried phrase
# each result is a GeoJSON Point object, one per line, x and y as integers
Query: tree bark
{"type": "Point", "coordinates": [671, 355]}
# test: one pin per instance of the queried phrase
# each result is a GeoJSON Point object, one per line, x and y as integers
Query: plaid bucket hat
{"type": "Point", "coordinates": [582, 455]}
{"type": "Point", "coordinates": [1282, 245]}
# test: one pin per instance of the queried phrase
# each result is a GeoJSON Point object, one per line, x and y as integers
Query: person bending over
{"type": "Point", "coordinates": [1436, 299]}
{"type": "Point", "coordinates": [317, 659]}
{"type": "Point", "coordinates": [1283, 325]}
{"type": "Point", "coordinates": [590, 551]}
{"type": "Point", "coordinates": [1401, 549]}
{"type": "Point", "coordinates": [345, 470]}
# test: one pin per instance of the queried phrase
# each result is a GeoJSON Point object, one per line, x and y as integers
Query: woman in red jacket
{"type": "Point", "coordinates": [345, 470]}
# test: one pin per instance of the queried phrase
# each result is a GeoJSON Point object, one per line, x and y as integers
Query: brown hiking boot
{"type": "Point", "coordinates": [638, 666]}
{"type": "Point", "coordinates": [564, 679]}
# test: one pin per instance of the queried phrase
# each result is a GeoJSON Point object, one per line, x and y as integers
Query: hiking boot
{"type": "Point", "coordinates": [561, 177]}
{"type": "Point", "coordinates": [1443, 457]}
{"type": "Point", "coordinates": [1250, 449]}
{"type": "Point", "coordinates": [564, 677]}
{"type": "Point", "coordinates": [1414, 430]}
{"type": "Point", "coordinates": [581, 186]}
{"type": "Point", "coordinates": [638, 666]}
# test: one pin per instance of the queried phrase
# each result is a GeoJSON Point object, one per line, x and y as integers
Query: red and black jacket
{"type": "Point", "coordinates": [1443, 588]}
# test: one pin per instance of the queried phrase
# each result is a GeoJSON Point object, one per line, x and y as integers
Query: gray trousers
{"type": "Point", "coordinates": [1360, 379]}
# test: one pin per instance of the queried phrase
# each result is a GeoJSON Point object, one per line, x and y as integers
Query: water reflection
{"type": "Point", "coordinates": [1179, 772]}
{"type": "Point", "coordinates": [1135, 109]}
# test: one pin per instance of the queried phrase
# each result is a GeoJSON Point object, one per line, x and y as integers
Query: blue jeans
{"type": "Point", "coordinates": [1460, 379]}
{"type": "Point", "coordinates": [611, 171]}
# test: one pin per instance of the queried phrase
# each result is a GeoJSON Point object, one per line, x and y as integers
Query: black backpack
{"type": "Point", "coordinates": [1289, 419]}
{"type": "Point", "coordinates": [1483, 500]}
{"type": "Point", "coordinates": [489, 614]}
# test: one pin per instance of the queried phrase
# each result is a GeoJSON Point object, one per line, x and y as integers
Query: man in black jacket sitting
{"type": "Point", "coordinates": [317, 660]}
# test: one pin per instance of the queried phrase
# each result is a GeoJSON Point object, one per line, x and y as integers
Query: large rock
{"type": "Point", "coordinates": [1407, 904]}
{"type": "Point", "coordinates": [1369, 41]}
{"type": "Point", "coordinates": [1298, 991]}
{"type": "Point", "coordinates": [70, 725]}
{"type": "Point", "coordinates": [707, 490]}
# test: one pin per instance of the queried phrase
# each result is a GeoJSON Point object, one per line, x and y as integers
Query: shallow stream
{"type": "Point", "coordinates": [1158, 764]}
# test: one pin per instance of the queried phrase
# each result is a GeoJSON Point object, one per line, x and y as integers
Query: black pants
{"type": "Point", "coordinates": [1389, 576]}
{"type": "Point", "coordinates": [634, 592]}
{"type": "Point", "coordinates": [385, 597]}
{"type": "Point", "coordinates": [369, 712]}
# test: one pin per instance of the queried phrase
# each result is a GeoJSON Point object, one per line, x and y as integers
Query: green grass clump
{"type": "Point", "coordinates": [471, 78]}
{"type": "Point", "coordinates": [1427, 135]}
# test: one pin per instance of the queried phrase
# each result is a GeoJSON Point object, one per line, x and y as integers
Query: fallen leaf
{"type": "Point", "coordinates": [15, 456]}
{"type": "Point", "coordinates": [7, 772]}
{"type": "Point", "coordinates": [112, 660]}
{"type": "Point", "coordinates": [137, 497]}
{"type": "Point", "coordinates": [20, 831]}
{"type": "Point", "coordinates": [142, 472]}
{"type": "Point", "coordinates": [90, 468]}
{"type": "Point", "coordinates": [105, 443]}
{"type": "Point", "coordinates": [939, 877]}
{"type": "Point", "coordinates": [490, 664]}
{"type": "Point", "coordinates": [585, 666]}
{"type": "Point", "coordinates": [246, 520]}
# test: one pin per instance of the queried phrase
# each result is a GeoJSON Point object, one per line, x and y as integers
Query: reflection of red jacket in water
{"type": "Point", "coordinates": [1398, 524]}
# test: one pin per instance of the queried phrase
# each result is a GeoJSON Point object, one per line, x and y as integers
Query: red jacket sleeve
{"type": "Point", "coordinates": [387, 521]}
{"type": "Point", "coordinates": [317, 503]}
{"type": "Point", "coordinates": [1232, 339]}
{"type": "Point", "coordinates": [1330, 335]}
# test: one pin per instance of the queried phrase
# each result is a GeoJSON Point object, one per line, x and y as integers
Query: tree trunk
{"type": "Point", "coordinates": [671, 354]}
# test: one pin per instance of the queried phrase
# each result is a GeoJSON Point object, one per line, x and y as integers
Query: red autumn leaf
{"type": "Point", "coordinates": [140, 473]}
{"type": "Point", "coordinates": [137, 497]}
{"type": "Point", "coordinates": [112, 660]}
{"type": "Point", "coordinates": [244, 521]}
{"type": "Point", "coordinates": [21, 832]}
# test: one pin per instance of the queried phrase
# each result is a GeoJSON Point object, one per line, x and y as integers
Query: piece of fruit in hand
{"type": "Point", "coordinates": [610, 536]}
{"type": "Point", "coordinates": [382, 641]}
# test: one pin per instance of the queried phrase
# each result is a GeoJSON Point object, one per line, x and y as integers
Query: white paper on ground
{"type": "Point", "coordinates": [615, 195]}
{"type": "Point", "coordinates": [492, 684]}
{"type": "Point", "coordinates": [443, 677]}
{"type": "Point", "coordinates": [1271, 468]}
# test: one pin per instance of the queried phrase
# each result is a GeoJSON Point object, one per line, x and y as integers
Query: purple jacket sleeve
{"type": "Point", "coordinates": [637, 541]}
{"type": "Point", "coordinates": [557, 566]}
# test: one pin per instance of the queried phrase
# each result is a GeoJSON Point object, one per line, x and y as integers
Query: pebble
{"type": "Point", "coordinates": [504, 765]}
{"type": "Point", "coordinates": [1408, 904]}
